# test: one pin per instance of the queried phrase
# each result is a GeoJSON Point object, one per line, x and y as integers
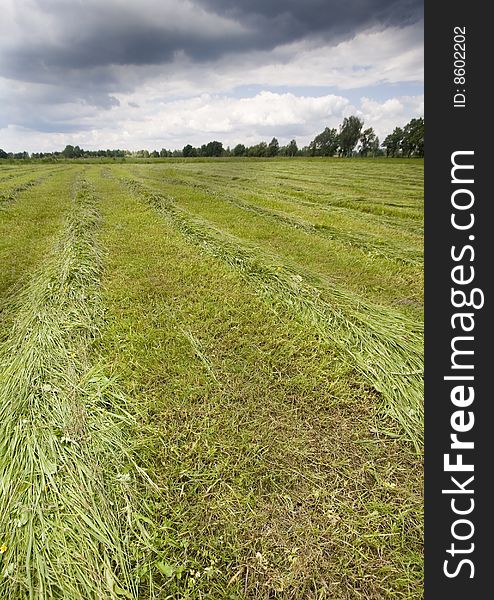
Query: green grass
{"type": "Point", "coordinates": [66, 487]}
{"type": "Point", "coordinates": [27, 227]}
{"type": "Point", "coordinates": [382, 344]}
{"type": "Point", "coordinates": [273, 470]}
{"type": "Point", "coordinates": [350, 258]}
{"type": "Point", "coordinates": [12, 186]}
{"type": "Point", "coordinates": [370, 236]}
{"type": "Point", "coordinates": [216, 370]}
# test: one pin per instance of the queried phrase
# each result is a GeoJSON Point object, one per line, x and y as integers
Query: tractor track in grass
{"type": "Point", "coordinates": [384, 346]}
{"type": "Point", "coordinates": [68, 479]}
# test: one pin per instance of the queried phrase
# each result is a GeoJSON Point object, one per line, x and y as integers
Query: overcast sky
{"type": "Point", "coordinates": [163, 73]}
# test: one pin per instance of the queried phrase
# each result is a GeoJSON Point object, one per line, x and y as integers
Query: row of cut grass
{"type": "Point", "coordinates": [68, 480]}
{"type": "Point", "coordinates": [27, 228]}
{"type": "Point", "coordinates": [380, 188]}
{"type": "Point", "coordinates": [275, 482]}
{"type": "Point", "coordinates": [10, 190]}
{"type": "Point", "coordinates": [375, 240]}
{"type": "Point", "coordinates": [366, 273]}
{"type": "Point", "coordinates": [7, 173]}
{"type": "Point", "coordinates": [327, 187]}
{"type": "Point", "coordinates": [383, 345]}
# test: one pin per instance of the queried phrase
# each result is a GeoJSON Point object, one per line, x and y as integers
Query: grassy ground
{"type": "Point", "coordinates": [383, 263]}
{"type": "Point", "coordinates": [13, 184]}
{"type": "Point", "coordinates": [27, 226]}
{"type": "Point", "coordinates": [226, 312]}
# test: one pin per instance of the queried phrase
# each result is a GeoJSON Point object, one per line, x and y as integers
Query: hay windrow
{"type": "Point", "coordinates": [384, 346]}
{"type": "Point", "coordinates": [67, 477]}
{"type": "Point", "coordinates": [364, 241]}
{"type": "Point", "coordinates": [12, 193]}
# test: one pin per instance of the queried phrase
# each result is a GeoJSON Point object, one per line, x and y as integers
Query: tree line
{"type": "Point", "coordinates": [350, 139]}
{"type": "Point", "coordinates": [353, 139]}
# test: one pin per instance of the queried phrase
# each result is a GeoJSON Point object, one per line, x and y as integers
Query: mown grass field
{"type": "Point", "coordinates": [211, 380]}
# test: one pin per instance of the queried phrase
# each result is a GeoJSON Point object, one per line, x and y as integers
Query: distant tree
{"type": "Point", "coordinates": [3, 154]}
{"type": "Point", "coordinates": [393, 141]}
{"type": "Point", "coordinates": [324, 144]}
{"type": "Point", "coordinates": [292, 148]}
{"type": "Point", "coordinates": [258, 150]}
{"type": "Point", "coordinates": [155, 154]}
{"type": "Point", "coordinates": [239, 150]}
{"type": "Point", "coordinates": [213, 148]}
{"type": "Point", "coordinates": [188, 151]}
{"type": "Point", "coordinates": [68, 151]}
{"type": "Point", "coordinates": [349, 134]}
{"type": "Point", "coordinates": [369, 142]}
{"type": "Point", "coordinates": [262, 149]}
{"type": "Point", "coordinates": [273, 147]}
{"type": "Point", "coordinates": [163, 153]}
{"type": "Point", "coordinates": [412, 142]}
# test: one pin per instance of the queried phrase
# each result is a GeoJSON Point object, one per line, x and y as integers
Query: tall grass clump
{"type": "Point", "coordinates": [67, 478]}
{"type": "Point", "coordinates": [380, 343]}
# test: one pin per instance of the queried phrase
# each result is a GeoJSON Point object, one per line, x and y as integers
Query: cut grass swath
{"type": "Point", "coordinates": [359, 240]}
{"type": "Point", "coordinates": [10, 195]}
{"type": "Point", "coordinates": [67, 478]}
{"type": "Point", "coordinates": [367, 242]}
{"type": "Point", "coordinates": [384, 346]}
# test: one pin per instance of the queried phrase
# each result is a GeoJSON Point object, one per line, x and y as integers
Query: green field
{"type": "Point", "coordinates": [211, 379]}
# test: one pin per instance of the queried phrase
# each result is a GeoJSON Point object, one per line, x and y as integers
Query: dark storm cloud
{"type": "Point", "coordinates": [83, 36]}
{"type": "Point", "coordinates": [282, 21]}
{"type": "Point", "coordinates": [64, 62]}
{"type": "Point", "coordinates": [108, 43]}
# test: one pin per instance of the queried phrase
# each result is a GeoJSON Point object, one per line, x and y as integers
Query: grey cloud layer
{"type": "Point", "coordinates": [282, 21]}
{"type": "Point", "coordinates": [60, 36]}
{"type": "Point", "coordinates": [78, 65]}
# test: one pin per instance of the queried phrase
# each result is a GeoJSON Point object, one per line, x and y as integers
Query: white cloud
{"type": "Point", "coordinates": [231, 120]}
{"type": "Point", "coordinates": [374, 56]}
{"type": "Point", "coordinates": [394, 112]}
